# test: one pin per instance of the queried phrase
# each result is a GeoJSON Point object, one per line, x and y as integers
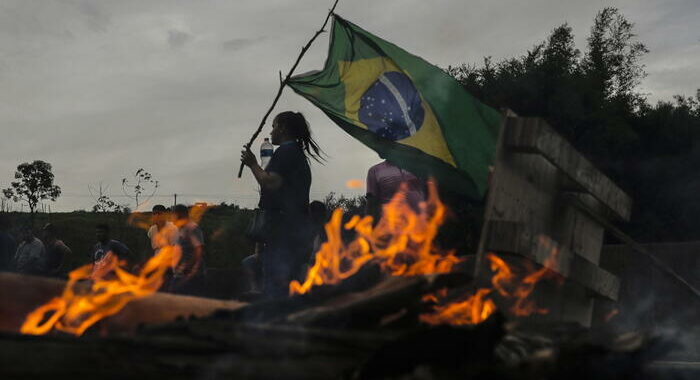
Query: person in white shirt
{"type": "Point", "coordinates": [163, 232]}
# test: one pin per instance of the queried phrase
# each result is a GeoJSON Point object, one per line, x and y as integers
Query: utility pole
{"type": "Point", "coordinates": [174, 199]}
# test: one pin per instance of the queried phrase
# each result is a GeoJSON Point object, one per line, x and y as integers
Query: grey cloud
{"type": "Point", "coordinates": [241, 43]}
{"type": "Point", "coordinates": [177, 38]}
{"type": "Point", "coordinates": [97, 19]}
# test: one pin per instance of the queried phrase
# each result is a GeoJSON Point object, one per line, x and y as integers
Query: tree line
{"type": "Point", "coordinates": [592, 98]}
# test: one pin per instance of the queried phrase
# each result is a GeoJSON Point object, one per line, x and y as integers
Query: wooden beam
{"type": "Point", "coordinates": [627, 240]}
{"type": "Point", "coordinates": [366, 308]}
{"type": "Point", "coordinates": [514, 237]}
{"type": "Point", "coordinates": [533, 135]}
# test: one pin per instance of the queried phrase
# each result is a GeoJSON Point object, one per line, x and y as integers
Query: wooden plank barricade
{"type": "Point", "coordinates": [530, 215]}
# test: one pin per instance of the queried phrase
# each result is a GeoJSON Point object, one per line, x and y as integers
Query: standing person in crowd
{"type": "Point", "coordinates": [8, 245]}
{"type": "Point", "coordinates": [284, 197]}
{"type": "Point", "coordinates": [31, 255]}
{"type": "Point", "coordinates": [56, 250]}
{"type": "Point", "coordinates": [188, 275]}
{"type": "Point", "coordinates": [384, 180]}
{"type": "Point", "coordinates": [163, 232]}
{"type": "Point", "coordinates": [105, 247]}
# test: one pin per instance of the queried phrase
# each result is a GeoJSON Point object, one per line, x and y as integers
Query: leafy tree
{"type": "Point", "coordinates": [141, 187]}
{"type": "Point", "coordinates": [34, 183]}
{"type": "Point", "coordinates": [613, 58]}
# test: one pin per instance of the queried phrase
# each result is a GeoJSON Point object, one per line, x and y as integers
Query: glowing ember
{"type": "Point", "coordinates": [611, 315]}
{"type": "Point", "coordinates": [95, 292]}
{"type": "Point", "coordinates": [401, 243]}
{"type": "Point", "coordinates": [354, 184]}
{"type": "Point", "coordinates": [470, 311]}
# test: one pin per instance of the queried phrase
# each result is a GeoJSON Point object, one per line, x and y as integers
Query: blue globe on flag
{"type": "Point", "coordinates": [391, 107]}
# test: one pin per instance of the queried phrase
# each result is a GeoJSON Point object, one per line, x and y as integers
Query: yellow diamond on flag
{"type": "Point", "coordinates": [380, 97]}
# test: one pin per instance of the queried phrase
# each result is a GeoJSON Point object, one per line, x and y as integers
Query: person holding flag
{"type": "Point", "coordinates": [284, 197]}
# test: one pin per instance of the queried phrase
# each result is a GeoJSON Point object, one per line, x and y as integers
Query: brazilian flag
{"type": "Point", "coordinates": [407, 110]}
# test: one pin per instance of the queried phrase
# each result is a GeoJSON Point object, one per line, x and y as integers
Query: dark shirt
{"type": "Point", "coordinates": [116, 247]}
{"type": "Point", "coordinates": [8, 247]}
{"type": "Point", "coordinates": [57, 252]}
{"type": "Point", "coordinates": [292, 198]}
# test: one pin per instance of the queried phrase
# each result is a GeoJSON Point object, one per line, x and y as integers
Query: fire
{"type": "Point", "coordinates": [472, 310]}
{"type": "Point", "coordinates": [95, 292]}
{"type": "Point", "coordinates": [109, 291]}
{"type": "Point", "coordinates": [401, 243]}
{"type": "Point", "coordinates": [476, 308]}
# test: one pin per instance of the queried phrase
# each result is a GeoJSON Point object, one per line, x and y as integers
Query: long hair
{"type": "Point", "coordinates": [296, 126]}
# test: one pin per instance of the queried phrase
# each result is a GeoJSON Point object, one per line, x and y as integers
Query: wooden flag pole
{"type": "Point", "coordinates": [283, 82]}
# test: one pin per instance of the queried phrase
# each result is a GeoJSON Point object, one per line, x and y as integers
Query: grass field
{"type": "Point", "coordinates": [223, 227]}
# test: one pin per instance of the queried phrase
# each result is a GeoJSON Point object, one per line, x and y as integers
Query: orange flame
{"type": "Point", "coordinates": [76, 310]}
{"type": "Point", "coordinates": [401, 243]}
{"type": "Point", "coordinates": [476, 308]}
{"type": "Point", "coordinates": [507, 286]}
{"type": "Point", "coordinates": [94, 292]}
{"type": "Point", "coordinates": [472, 310]}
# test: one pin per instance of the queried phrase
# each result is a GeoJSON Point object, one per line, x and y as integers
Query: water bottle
{"type": "Point", "coordinates": [266, 150]}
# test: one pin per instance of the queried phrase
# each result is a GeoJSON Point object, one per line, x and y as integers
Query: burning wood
{"type": "Point", "coordinates": [90, 297]}
{"type": "Point", "coordinates": [401, 243]}
{"type": "Point", "coordinates": [96, 291]}
{"type": "Point", "coordinates": [29, 292]}
{"type": "Point", "coordinates": [477, 307]}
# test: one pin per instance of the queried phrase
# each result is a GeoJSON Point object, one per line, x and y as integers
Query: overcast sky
{"type": "Point", "coordinates": [102, 88]}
